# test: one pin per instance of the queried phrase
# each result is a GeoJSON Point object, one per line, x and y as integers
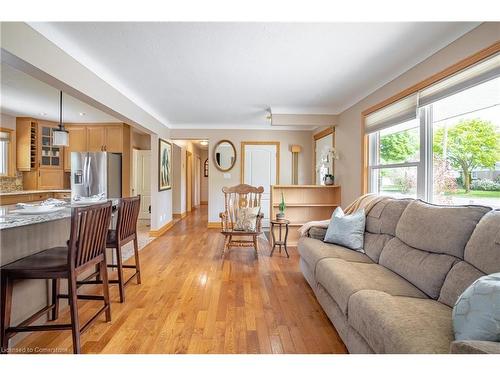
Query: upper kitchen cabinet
{"type": "Point", "coordinates": [77, 143]}
{"type": "Point", "coordinates": [105, 138]}
{"type": "Point", "coordinates": [37, 157]}
{"type": "Point", "coordinates": [26, 145]}
{"type": "Point", "coordinates": [34, 145]}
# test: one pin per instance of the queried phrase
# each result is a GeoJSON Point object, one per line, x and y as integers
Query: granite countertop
{"type": "Point", "coordinates": [10, 219]}
{"type": "Point", "coordinates": [22, 192]}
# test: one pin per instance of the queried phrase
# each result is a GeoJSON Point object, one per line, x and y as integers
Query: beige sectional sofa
{"type": "Point", "coordinates": [397, 296]}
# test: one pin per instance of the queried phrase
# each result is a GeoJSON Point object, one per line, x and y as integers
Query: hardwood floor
{"type": "Point", "coordinates": [193, 301]}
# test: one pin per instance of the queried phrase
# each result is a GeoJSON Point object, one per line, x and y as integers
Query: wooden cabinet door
{"type": "Point", "coordinates": [77, 142]}
{"type": "Point", "coordinates": [114, 138]}
{"type": "Point", "coordinates": [50, 179]}
{"type": "Point", "coordinates": [96, 136]}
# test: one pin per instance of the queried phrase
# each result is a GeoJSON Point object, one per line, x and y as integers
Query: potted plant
{"type": "Point", "coordinates": [281, 214]}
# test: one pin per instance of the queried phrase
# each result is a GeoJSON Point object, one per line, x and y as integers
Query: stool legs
{"type": "Point", "coordinates": [6, 298]}
{"type": "Point", "coordinates": [55, 299]}
{"type": "Point", "coordinates": [103, 272]}
{"type": "Point", "coordinates": [121, 286]}
{"type": "Point", "coordinates": [137, 265]}
{"type": "Point", "coordinates": [73, 306]}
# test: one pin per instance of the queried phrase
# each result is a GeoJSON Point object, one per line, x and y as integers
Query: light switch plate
{"type": "Point", "coordinates": [227, 176]}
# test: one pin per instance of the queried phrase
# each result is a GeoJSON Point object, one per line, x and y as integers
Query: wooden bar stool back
{"type": "Point", "coordinates": [125, 232]}
{"type": "Point", "coordinates": [85, 250]}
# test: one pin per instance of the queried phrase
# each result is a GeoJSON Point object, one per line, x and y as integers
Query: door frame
{"type": "Point", "coordinates": [257, 143]}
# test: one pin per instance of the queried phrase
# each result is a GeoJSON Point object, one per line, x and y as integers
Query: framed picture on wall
{"type": "Point", "coordinates": [164, 165]}
{"type": "Point", "coordinates": [205, 168]}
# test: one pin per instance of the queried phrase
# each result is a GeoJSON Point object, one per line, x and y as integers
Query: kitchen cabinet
{"type": "Point", "coordinates": [77, 142]}
{"type": "Point", "coordinates": [37, 157]}
{"type": "Point", "coordinates": [105, 138]}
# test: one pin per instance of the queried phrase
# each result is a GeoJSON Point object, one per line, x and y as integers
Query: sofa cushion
{"type": "Point", "coordinates": [461, 276]}
{"type": "Point", "coordinates": [317, 233]}
{"type": "Point", "coordinates": [374, 243]}
{"type": "Point", "coordinates": [392, 324]}
{"type": "Point", "coordinates": [439, 229]}
{"type": "Point", "coordinates": [423, 269]}
{"type": "Point", "coordinates": [483, 248]}
{"type": "Point", "coordinates": [342, 279]}
{"type": "Point", "coordinates": [312, 251]}
{"type": "Point", "coordinates": [384, 216]}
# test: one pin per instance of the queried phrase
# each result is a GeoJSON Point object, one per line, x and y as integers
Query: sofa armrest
{"type": "Point", "coordinates": [474, 347]}
{"type": "Point", "coordinates": [317, 233]}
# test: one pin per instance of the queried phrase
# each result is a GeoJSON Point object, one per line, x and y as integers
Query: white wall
{"type": "Point", "coordinates": [216, 181]}
{"type": "Point", "coordinates": [348, 130]}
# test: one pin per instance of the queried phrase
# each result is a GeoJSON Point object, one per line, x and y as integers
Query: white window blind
{"type": "Point", "coordinates": [406, 109]}
{"type": "Point", "coordinates": [403, 110]}
{"type": "Point", "coordinates": [481, 72]}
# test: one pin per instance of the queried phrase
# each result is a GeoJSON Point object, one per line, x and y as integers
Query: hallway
{"type": "Point", "coordinates": [193, 301]}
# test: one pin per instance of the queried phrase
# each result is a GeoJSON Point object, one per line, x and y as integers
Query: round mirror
{"type": "Point", "coordinates": [224, 155]}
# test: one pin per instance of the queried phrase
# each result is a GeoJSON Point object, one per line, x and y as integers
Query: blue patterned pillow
{"type": "Point", "coordinates": [476, 315]}
{"type": "Point", "coordinates": [346, 230]}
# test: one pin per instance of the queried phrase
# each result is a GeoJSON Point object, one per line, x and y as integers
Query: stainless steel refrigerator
{"type": "Point", "coordinates": [95, 176]}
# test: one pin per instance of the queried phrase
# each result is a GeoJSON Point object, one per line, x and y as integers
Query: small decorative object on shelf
{"type": "Point", "coordinates": [328, 179]}
{"type": "Point", "coordinates": [281, 214]}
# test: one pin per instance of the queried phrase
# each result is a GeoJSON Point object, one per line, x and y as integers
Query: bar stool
{"type": "Point", "coordinates": [86, 249]}
{"type": "Point", "coordinates": [125, 232]}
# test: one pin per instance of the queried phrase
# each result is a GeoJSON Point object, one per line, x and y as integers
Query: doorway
{"type": "Point", "coordinates": [260, 166]}
{"type": "Point", "coordinates": [141, 180]}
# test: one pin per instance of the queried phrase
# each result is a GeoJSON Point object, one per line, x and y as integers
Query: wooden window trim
{"type": "Point", "coordinates": [445, 73]}
{"type": "Point", "coordinates": [11, 168]}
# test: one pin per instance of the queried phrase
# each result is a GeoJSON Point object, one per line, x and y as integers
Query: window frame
{"type": "Point", "coordinates": [374, 147]}
{"type": "Point", "coordinates": [11, 167]}
{"type": "Point", "coordinates": [443, 74]}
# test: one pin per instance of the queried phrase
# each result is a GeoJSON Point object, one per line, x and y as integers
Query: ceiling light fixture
{"type": "Point", "coordinates": [60, 137]}
{"type": "Point", "coordinates": [203, 143]}
{"type": "Point", "coordinates": [82, 113]}
{"type": "Point", "coordinates": [43, 113]}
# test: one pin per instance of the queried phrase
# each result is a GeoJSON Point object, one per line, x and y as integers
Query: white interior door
{"type": "Point", "coordinates": [260, 170]}
{"type": "Point", "coordinates": [141, 180]}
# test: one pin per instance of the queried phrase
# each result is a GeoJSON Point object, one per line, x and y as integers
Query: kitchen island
{"type": "Point", "coordinates": [24, 235]}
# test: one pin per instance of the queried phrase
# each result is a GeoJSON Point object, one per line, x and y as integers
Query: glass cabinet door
{"type": "Point", "coordinates": [51, 155]}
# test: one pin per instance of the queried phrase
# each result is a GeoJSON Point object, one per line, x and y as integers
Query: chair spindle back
{"type": "Point", "coordinates": [89, 228]}
{"type": "Point", "coordinates": [238, 197]}
{"type": "Point", "coordinates": [128, 213]}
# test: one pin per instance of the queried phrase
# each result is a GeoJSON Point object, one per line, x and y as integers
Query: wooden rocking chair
{"type": "Point", "coordinates": [236, 198]}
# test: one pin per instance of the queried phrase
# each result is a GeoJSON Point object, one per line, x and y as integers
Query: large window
{"type": "Point", "coordinates": [442, 144]}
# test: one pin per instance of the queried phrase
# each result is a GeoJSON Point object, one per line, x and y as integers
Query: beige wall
{"type": "Point", "coordinates": [216, 180]}
{"type": "Point", "coordinates": [140, 141]}
{"type": "Point", "coordinates": [204, 180]}
{"type": "Point", "coordinates": [348, 130]}
{"type": "Point", "coordinates": [179, 189]}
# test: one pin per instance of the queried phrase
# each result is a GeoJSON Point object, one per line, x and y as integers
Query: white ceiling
{"type": "Point", "coordinates": [191, 75]}
{"type": "Point", "coordinates": [23, 95]}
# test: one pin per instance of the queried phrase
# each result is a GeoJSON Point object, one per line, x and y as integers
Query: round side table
{"type": "Point", "coordinates": [280, 242]}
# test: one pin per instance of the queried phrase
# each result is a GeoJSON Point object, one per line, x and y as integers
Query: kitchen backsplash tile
{"type": "Point", "coordinates": [9, 184]}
